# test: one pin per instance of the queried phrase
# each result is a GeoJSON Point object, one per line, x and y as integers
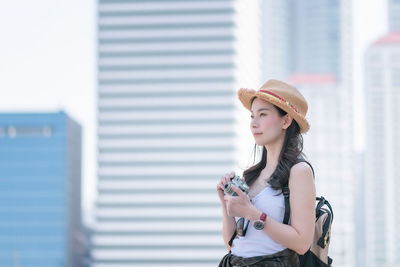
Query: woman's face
{"type": "Point", "coordinates": [266, 125]}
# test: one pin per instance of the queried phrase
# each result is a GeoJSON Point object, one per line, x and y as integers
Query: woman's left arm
{"type": "Point", "coordinates": [297, 236]}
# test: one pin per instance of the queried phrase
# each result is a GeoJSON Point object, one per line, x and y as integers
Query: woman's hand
{"type": "Point", "coordinates": [238, 206]}
{"type": "Point", "coordinates": [228, 222]}
{"type": "Point", "coordinates": [220, 186]}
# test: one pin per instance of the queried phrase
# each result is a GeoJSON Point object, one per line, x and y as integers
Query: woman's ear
{"type": "Point", "coordinates": [287, 121]}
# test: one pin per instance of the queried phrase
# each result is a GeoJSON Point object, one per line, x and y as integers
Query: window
{"type": "Point", "coordinates": [375, 58]}
{"type": "Point", "coordinates": [26, 131]}
{"type": "Point", "coordinates": [395, 58]}
{"type": "Point", "coordinates": [376, 77]}
{"type": "Point", "coordinates": [396, 77]}
{"type": "Point", "coordinates": [3, 132]}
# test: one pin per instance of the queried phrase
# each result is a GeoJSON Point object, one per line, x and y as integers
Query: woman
{"type": "Point", "coordinates": [277, 121]}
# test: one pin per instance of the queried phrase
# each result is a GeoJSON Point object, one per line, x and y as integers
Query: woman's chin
{"type": "Point", "coordinates": [258, 143]}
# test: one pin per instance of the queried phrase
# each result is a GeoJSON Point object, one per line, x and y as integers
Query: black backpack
{"type": "Point", "coordinates": [317, 255]}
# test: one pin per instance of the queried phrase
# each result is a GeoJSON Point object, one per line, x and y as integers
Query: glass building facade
{"type": "Point", "coordinates": [394, 15]}
{"type": "Point", "coordinates": [316, 33]}
{"type": "Point", "coordinates": [40, 176]}
{"type": "Point", "coordinates": [301, 37]}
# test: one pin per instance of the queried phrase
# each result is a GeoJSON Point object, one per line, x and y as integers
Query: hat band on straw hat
{"type": "Point", "coordinates": [280, 98]}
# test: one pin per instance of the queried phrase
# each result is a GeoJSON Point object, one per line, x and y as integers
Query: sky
{"type": "Point", "coordinates": [48, 58]}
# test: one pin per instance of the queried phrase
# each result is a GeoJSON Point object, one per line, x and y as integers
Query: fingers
{"type": "Point", "coordinates": [227, 198]}
{"type": "Point", "coordinates": [237, 190]}
{"type": "Point", "coordinates": [220, 186]}
{"type": "Point", "coordinates": [227, 177]}
{"type": "Point", "coordinates": [224, 180]}
{"type": "Point", "coordinates": [234, 198]}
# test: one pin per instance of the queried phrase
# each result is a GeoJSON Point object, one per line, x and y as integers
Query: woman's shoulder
{"type": "Point", "coordinates": [301, 171]}
{"type": "Point", "coordinates": [301, 166]}
{"type": "Point", "coordinates": [302, 163]}
{"type": "Point", "coordinates": [301, 179]}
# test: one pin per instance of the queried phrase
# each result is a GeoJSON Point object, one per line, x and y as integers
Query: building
{"type": "Point", "coordinates": [361, 238]}
{"type": "Point", "coordinates": [316, 36]}
{"type": "Point", "coordinates": [394, 15]}
{"type": "Point", "coordinates": [40, 190]}
{"type": "Point", "coordinates": [276, 39]}
{"type": "Point", "coordinates": [167, 82]}
{"type": "Point", "coordinates": [328, 147]}
{"type": "Point", "coordinates": [382, 177]}
{"type": "Point", "coordinates": [308, 43]}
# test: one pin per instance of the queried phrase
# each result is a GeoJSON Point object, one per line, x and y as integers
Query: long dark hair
{"type": "Point", "coordinates": [292, 149]}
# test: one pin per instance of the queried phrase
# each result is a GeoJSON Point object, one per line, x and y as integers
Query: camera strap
{"type": "Point", "coordinates": [233, 237]}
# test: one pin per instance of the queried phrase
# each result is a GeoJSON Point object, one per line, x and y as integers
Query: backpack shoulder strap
{"type": "Point", "coordinates": [303, 160]}
{"type": "Point", "coordinates": [286, 193]}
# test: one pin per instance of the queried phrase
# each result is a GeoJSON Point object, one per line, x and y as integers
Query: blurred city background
{"type": "Point", "coordinates": [118, 117]}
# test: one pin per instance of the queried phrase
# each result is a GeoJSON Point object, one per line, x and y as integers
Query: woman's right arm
{"type": "Point", "coordinates": [228, 222]}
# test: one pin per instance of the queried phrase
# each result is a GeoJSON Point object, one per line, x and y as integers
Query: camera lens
{"type": "Point", "coordinates": [228, 188]}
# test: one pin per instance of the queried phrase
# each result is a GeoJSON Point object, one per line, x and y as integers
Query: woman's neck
{"type": "Point", "coordinates": [273, 153]}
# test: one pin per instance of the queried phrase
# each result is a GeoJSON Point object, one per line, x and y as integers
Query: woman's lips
{"type": "Point", "coordinates": [257, 134]}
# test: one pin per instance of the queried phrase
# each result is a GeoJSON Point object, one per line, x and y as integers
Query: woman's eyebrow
{"type": "Point", "coordinates": [261, 109]}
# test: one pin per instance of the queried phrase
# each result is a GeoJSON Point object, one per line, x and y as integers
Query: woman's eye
{"type": "Point", "coordinates": [262, 114]}
{"type": "Point", "coordinates": [252, 116]}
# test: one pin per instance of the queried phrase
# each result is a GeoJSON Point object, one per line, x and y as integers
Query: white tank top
{"type": "Point", "coordinates": [256, 242]}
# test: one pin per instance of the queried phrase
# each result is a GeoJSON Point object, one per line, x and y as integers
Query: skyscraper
{"type": "Point", "coordinates": [316, 58]}
{"type": "Point", "coordinates": [382, 175]}
{"type": "Point", "coordinates": [166, 127]}
{"type": "Point", "coordinates": [40, 190]}
{"type": "Point", "coordinates": [276, 39]}
{"type": "Point", "coordinates": [316, 37]}
{"type": "Point", "coordinates": [394, 15]}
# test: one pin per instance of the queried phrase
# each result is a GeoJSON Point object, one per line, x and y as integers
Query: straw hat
{"type": "Point", "coordinates": [282, 95]}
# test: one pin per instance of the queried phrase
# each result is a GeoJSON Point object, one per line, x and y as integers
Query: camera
{"type": "Point", "coordinates": [239, 183]}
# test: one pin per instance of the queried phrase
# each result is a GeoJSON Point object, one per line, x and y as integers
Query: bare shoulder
{"type": "Point", "coordinates": [301, 172]}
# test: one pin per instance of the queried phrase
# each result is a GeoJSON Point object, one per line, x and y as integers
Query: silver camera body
{"type": "Point", "coordinates": [239, 183]}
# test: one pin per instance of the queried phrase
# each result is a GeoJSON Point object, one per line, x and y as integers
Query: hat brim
{"type": "Point", "coordinates": [246, 96]}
